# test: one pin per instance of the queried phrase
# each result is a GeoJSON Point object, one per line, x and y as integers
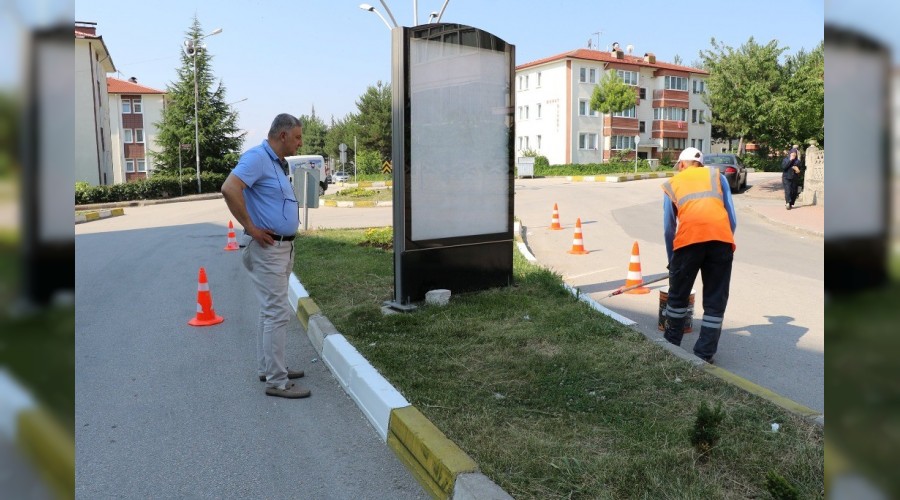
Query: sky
{"type": "Point", "coordinates": [293, 55]}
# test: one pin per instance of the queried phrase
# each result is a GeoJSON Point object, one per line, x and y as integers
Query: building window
{"type": "Point", "coordinates": [582, 75]}
{"type": "Point", "coordinates": [629, 77]}
{"type": "Point", "coordinates": [141, 165]}
{"type": "Point", "coordinates": [676, 83]}
{"type": "Point", "coordinates": [621, 142]}
{"type": "Point", "coordinates": [521, 113]}
{"type": "Point", "coordinates": [584, 108]}
{"type": "Point", "coordinates": [699, 86]}
{"type": "Point", "coordinates": [593, 75]}
{"type": "Point", "coordinates": [670, 143]}
{"type": "Point", "coordinates": [526, 82]}
{"type": "Point", "coordinates": [677, 114]}
{"type": "Point", "coordinates": [700, 144]}
{"type": "Point", "coordinates": [138, 108]}
{"type": "Point", "coordinates": [642, 126]}
{"type": "Point", "coordinates": [693, 143]}
{"type": "Point", "coordinates": [526, 142]}
{"type": "Point", "coordinates": [526, 112]}
{"type": "Point", "coordinates": [587, 141]}
{"type": "Point", "coordinates": [643, 93]}
{"type": "Point", "coordinates": [539, 79]}
{"type": "Point", "coordinates": [521, 79]}
{"type": "Point", "coordinates": [628, 113]}
{"type": "Point", "coordinates": [129, 165]}
{"type": "Point", "coordinates": [139, 135]}
{"type": "Point", "coordinates": [702, 120]}
{"type": "Point", "coordinates": [693, 117]}
{"type": "Point", "coordinates": [127, 135]}
{"type": "Point", "coordinates": [539, 142]}
{"type": "Point", "coordinates": [126, 106]}
{"type": "Point", "coordinates": [539, 111]}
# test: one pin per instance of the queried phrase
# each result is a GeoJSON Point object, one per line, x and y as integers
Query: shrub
{"type": "Point", "coordinates": [779, 487]}
{"type": "Point", "coordinates": [706, 432]}
{"type": "Point", "coordinates": [381, 237]}
{"type": "Point", "coordinates": [156, 187]}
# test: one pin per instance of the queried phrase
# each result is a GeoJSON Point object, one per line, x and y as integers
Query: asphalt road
{"type": "Point", "coordinates": [166, 410]}
{"type": "Point", "coordinates": [774, 329]}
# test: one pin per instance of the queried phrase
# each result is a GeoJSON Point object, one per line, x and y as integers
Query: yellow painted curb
{"type": "Point", "coordinates": [92, 216]}
{"type": "Point", "coordinates": [364, 203]}
{"type": "Point", "coordinates": [42, 438]}
{"type": "Point", "coordinates": [434, 460]}
{"type": "Point", "coordinates": [330, 203]}
{"type": "Point", "coordinates": [305, 309]}
{"type": "Point", "coordinates": [760, 391]}
{"type": "Point", "coordinates": [116, 212]}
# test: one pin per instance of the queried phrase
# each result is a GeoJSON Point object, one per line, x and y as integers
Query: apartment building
{"type": "Point", "coordinates": [134, 112]}
{"type": "Point", "coordinates": [553, 115]}
{"type": "Point", "coordinates": [93, 153]}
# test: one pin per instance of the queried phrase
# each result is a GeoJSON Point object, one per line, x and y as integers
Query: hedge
{"type": "Point", "coordinates": [154, 188]}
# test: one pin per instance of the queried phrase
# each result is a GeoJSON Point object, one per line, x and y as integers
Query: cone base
{"type": "Point", "coordinates": [231, 247]}
{"type": "Point", "coordinates": [638, 291]}
{"type": "Point", "coordinates": [578, 252]}
{"type": "Point", "coordinates": [206, 322]}
{"type": "Point", "coordinates": [558, 228]}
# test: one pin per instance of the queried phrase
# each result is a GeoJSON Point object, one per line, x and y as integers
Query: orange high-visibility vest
{"type": "Point", "coordinates": [697, 193]}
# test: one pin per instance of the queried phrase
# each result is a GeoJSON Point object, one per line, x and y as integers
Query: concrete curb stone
{"type": "Point", "coordinates": [98, 214]}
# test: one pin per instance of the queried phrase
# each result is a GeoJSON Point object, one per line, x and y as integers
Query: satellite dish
{"type": "Point", "coordinates": [629, 48]}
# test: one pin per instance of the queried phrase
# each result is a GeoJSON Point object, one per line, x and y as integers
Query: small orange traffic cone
{"type": "Point", "coordinates": [206, 316]}
{"type": "Point", "coordinates": [634, 272]}
{"type": "Point", "coordinates": [232, 241]}
{"type": "Point", "coordinates": [578, 240]}
{"type": "Point", "coordinates": [554, 222]}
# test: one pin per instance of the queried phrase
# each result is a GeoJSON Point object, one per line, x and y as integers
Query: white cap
{"type": "Point", "coordinates": [691, 154]}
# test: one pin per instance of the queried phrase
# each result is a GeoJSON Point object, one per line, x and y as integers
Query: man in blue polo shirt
{"type": "Point", "coordinates": [261, 198]}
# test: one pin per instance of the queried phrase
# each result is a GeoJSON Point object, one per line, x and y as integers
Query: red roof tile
{"type": "Point", "coordinates": [607, 57]}
{"type": "Point", "coordinates": [116, 86]}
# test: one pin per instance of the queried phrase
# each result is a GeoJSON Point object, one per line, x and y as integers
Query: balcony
{"type": "Point", "coordinates": [671, 99]}
{"type": "Point", "coordinates": [675, 129]}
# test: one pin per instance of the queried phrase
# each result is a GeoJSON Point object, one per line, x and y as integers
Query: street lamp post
{"type": "Point", "coordinates": [365, 6]}
{"type": "Point", "coordinates": [637, 140]}
{"type": "Point", "coordinates": [191, 48]}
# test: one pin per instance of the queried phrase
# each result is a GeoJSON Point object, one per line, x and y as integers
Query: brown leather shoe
{"type": "Point", "coordinates": [292, 374]}
{"type": "Point", "coordinates": [290, 391]}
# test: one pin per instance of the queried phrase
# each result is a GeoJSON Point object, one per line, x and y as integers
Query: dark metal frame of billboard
{"type": "Point", "coordinates": [861, 262]}
{"type": "Point", "coordinates": [460, 264]}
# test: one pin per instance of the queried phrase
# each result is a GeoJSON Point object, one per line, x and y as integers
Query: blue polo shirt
{"type": "Point", "coordinates": [269, 197]}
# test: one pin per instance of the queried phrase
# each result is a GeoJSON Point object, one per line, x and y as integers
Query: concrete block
{"type": "Point", "coordinates": [318, 330]}
{"type": "Point", "coordinates": [375, 396]}
{"type": "Point", "coordinates": [306, 308]}
{"type": "Point", "coordinates": [341, 358]}
{"type": "Point", "coordinates": [296, 291]}
{"type": "Point", "coordinates": [439, 297]}
{"type": "Point", "coordinates": [477, 486]}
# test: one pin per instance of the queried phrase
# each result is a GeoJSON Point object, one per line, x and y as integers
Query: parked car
{"type": "Point", "coordinates": [341, 177]}
{"type": "Point", "coordinates": [731, 166]}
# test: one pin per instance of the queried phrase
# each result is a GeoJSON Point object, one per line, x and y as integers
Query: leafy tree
{"type": "Point", "coordinates": [677, 60]}
{"type": "Point", "coordinates": [219, 136]}
{"type": "Point", "coordinates": [745, 91]}
{"type": "Point", "coordinates": [612, 95]}
{"type": "Point", "coordinates": [314, 134]}
{"type": "Point", "coordinates": [805, 88]}
{"type": "Point", "coordinates": [341, 131]}
{"type": "Point", "coordinates": [374, 119]}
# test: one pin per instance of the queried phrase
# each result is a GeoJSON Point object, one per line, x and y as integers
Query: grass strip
{"type": "Point", "coordinates": [550, 398]}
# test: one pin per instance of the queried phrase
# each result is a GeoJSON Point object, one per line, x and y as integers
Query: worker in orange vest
{"type": "Point", "coordinates": [699, 224]}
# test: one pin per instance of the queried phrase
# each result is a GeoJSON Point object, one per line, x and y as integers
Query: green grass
{"type": "Point", "coordinates": [359, 194]}
{"type": "Point", "coordinates": [551, 398]}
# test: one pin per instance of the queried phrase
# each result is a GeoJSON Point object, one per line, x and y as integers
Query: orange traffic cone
{"type": "Point", "coordinates": [232, 241]}
{"type": "Point", "coordinates": [634, 272]}
{"type": "Point", "coordinates": [578, 241]}
{"type": "Point", "coordinates": [206, 316]}
{"type": "Point", "coordinates": [554, 222]}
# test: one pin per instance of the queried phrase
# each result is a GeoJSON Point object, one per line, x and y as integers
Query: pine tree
{"type": "Point", "coordinates": [219, 136]}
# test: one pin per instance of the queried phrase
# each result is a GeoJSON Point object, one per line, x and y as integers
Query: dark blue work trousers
{"type": "Point", "coordinates": [713, 261]}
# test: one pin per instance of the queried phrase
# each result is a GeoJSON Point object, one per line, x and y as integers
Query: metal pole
{"type": "Point", "coordinates": [355, 161]}
{"type": "Point", "coordinates": [306, 174]}
{"type": "Point", "coordinates": [415, 12]}
{"type": "Point", "coordinates": [180, 185]}
{"type": "Point", "coordinates": [441, 13]}
{"type": "Point", "coordinates": [196, 120]}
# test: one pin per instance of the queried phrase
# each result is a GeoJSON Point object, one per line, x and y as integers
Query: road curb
{"type": "Point", "coordinates": [38, 434]}
{"type": "Point", "coordinates": [618, 177]}
{"type": "Point", "coordinates": [438, 464]}
{"type": "Point", "coordinates": [800, 229]}
{"type": "Point", "coordinates": [98, 214]}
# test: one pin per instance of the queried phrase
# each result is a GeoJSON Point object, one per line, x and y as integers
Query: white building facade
{"type": "Point", "coordinates": [93, 153]}
{"type": "Point", "coordinates": [554, 118]}
{"type": "Point", "coordinates": [134, 112]}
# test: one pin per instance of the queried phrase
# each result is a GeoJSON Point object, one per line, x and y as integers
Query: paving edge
{"type": "Point", "coordinates": [38, 434]}
{"type": "Point", "coordinates": [721, 373]}
{"type": "Point", "coordinates": [618, 177]}
{"type": "Point", "coordinates": [98, 214]}
{"type": "Point", "coordinates": [442, 468]}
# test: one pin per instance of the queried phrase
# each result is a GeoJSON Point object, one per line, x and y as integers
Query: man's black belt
{"type": "Point", "coordinates": [280, 237]}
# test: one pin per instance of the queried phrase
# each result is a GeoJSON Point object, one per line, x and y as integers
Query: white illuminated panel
{"type": "Point", "coordinates": [854, 132]}
{"type": "Point", "coordinates": [459, 95]}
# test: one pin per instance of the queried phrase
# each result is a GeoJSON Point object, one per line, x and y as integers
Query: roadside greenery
{"type": "Point", "coordinates": [551, 398]}
{"type": "Point", "coordinates": [157, 187]}
{"type": "Point", "coordinates": [359, 194]}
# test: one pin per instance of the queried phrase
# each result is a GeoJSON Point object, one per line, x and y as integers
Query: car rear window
{"type": "Point", "coordinates": [718, 159]}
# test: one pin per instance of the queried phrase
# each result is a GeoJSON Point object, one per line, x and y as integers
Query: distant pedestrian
{"type": "Point", "coordinates": [261, 198]}
{"type": "Point", "coordinates": [790, 175]}
{"type": "Point", "coordinates": [698, 226]}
